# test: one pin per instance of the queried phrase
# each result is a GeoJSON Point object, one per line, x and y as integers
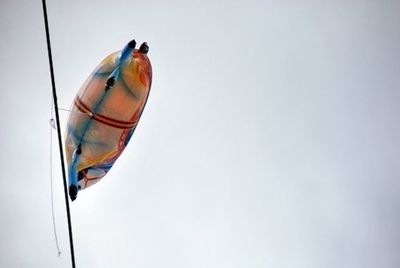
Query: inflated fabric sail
{"type": "Point", "coordinates": [104, 115]}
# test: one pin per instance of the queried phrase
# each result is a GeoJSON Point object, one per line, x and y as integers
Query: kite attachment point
{"type": "Point", "coordinates": [110, 83]}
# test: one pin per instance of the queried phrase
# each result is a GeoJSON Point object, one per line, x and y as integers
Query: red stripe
{"type": "Point", "coordinates": [102, 118]}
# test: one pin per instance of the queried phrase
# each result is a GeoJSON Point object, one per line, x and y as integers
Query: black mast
{"type": "Point", "coordinates": [53, 85]}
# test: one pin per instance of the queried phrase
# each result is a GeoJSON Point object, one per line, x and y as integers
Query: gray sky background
{"type": "Point", "coordinates": [271, 137]}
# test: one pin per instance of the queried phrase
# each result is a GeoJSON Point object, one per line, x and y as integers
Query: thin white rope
{"type": "Point", "coordinates": [52, 125]}
{"type": "Point", "coordinates": [70, 111]}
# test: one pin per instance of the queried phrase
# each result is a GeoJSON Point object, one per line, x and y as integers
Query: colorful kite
{"type": "Point", "coordinates": [105, 114]}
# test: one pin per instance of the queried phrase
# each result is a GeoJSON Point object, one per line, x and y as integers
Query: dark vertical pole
{"type": "Point", "coordinates": [53, 85]}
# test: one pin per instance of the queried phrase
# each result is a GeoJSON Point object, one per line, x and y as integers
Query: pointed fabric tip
{"type": "Point", "coordinates": [73, 192]}
{"type": "Point", "coordinates": [144, 48]}
{"type": "Point", "coordinates": [132, 43]}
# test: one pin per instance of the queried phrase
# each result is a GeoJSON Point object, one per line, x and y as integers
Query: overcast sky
{"type": "Point", "coordinates": [271, 137]}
